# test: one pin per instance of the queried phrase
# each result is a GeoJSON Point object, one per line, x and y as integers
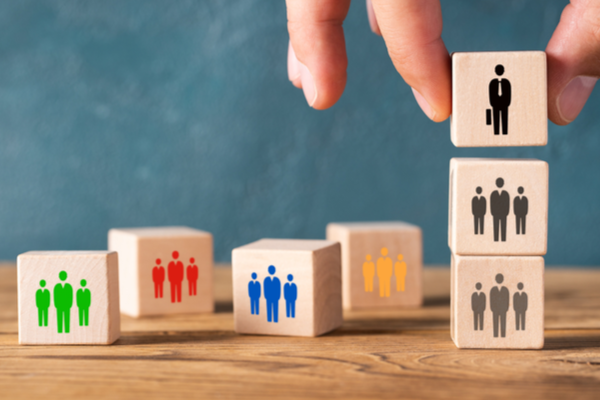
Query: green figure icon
{"type": "Point", "coordinates": [84, 300]}
{"type": "Point", "coordinates": [63, 301]}
{"type": "Point", "coordinates": [42, 301]}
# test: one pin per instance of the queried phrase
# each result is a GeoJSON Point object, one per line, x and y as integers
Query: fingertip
{"type": "Point", "coordinates": [372, 18]}
{"type": "Point", "coordinates": [293, 67]}
{"type": "Point", "coordinates": [572, 99]}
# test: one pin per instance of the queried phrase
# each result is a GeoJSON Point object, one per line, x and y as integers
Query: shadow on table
{"type": "Point", "coordinates": [224, 307]}
{"type": "Point", "coordinates": [150, 338]}
{"type": "Point", "coordinates": [439, 301]}
{"type": "Point", "coordinates": [389, 325]}
{"type": "Point", "coordinates": [591, 341]}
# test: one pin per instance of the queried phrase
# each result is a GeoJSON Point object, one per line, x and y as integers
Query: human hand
{"type": "Point", "coordinates": [573, 60]}
{"type": "Point", "coordinates": [412, 32]}
{"type": "Point", "coordinates": [411, 29]}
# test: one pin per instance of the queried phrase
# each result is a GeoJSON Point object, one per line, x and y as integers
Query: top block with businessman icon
{"type": "Point", "coordinates": [499, 99]}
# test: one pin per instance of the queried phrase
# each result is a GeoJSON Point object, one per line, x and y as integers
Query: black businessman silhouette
{"type": "Point", "coordinates": [478, 306]}
{"type": "Point", "coordinates": [478, 207]}
{"type": "Point", "coordinates": [500, 96]}
{"type": "Point", "coordinates": [521, 207]}
{"type": "Point", "coordinates": [499, 299]}
{"type": "Point", "coordinates": [520, 306]}
{"type": "Point", "coordinates": [499, 207]}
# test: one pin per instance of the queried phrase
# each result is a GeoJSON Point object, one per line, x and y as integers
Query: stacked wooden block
{"type": "Point", "coordinates": [498, 207]}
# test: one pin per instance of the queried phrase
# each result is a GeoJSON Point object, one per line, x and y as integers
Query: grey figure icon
{"type": "Point", "coordinates": [500, 93]}
{"type": "Point", "coordinates": [478, 208]}
{"type": "Point", "coordinates": [499, 299]}
{"type": "Point", "coordinates": [520, 207]}
{"type": "Point", "coordinates": [500, 208]}
{"type": "Point", "coordinates": [520, 307]}
{"type": "Point", "coordinates": [478, 306]}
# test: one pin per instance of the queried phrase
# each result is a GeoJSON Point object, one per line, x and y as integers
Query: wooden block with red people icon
{"type": "Point", "coordinates": [166, 270]}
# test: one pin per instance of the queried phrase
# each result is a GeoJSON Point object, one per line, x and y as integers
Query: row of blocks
{"type": "Point", "coordinates": [498, 207]}
{"type": "Point", "coordinates": [281, 287]}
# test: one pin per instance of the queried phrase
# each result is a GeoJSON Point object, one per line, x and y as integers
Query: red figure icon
{"type": "Point", "coordinates": [158, 277]}
{"type": "Point", "coordinates": [192, 276]}
{"type": "Point", "coordinates": [175, 277]}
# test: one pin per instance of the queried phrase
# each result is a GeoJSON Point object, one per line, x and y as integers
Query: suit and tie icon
{"type": "Point", "coordinates": [500, 93]}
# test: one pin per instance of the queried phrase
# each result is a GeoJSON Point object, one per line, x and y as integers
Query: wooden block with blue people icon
{"type": "Point", "coordinates": [68, 297]}
{"type": "Point", "coordinates": [498, 206]}
{"type": "Point", "coordinates": [497, 302]}
{"type": "Point", "coordinates": [164, 270]}
{"type": "Point", "coordinates": [499, 99]}
{"type": "Point", "coordinates": [287, 287]}
{"type": "Point", "coordinates": [382, 263]}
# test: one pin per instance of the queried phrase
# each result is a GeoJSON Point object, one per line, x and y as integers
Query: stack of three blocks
{"type": "Point", "coordinates": [498, 207]}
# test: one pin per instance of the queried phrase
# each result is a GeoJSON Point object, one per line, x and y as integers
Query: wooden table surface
{"type": "Point", "coordinates": [376, 354]}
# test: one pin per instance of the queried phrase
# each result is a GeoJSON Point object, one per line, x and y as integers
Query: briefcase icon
{"type": "Point", "coordinates": [488, 117]}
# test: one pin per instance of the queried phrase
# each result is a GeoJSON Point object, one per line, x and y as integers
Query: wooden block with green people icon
{"type": "Point", "coordinates": [68, 297]}
{"type": "Point", "coordinates": [287, 287]}
{"type": "Point", "coordinates": [381, 263]}
{"type": "Point", "coordinates": [164, 270]}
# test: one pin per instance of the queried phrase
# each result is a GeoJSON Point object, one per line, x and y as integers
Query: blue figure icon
{"type": "Point", "coordinates": [254, 293]}
{"type": "Point", "coordinates": [290, 293]}
{"type": "Point", "coordinates": [272, 294]}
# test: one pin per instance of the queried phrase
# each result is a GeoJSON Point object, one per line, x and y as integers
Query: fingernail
{"type": "Point", "coordinates": [372, 18]}
{"type": "Point", "coordinates": [292, 63]}
{"type": "Point", "coordinates": [574, 97]}
{"type": "Point", "coordinates": [308, 84]}
{"type": "Point", "coordinates": [430, 112]}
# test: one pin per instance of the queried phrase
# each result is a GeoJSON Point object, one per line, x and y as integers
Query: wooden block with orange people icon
{"type": "Point", "coordinates": [382, 263]}
{"type": "Point", "coordinates": [166, 270]}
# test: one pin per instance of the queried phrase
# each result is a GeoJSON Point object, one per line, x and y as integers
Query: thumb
{"type": "Point", "coordinates": [573, 60]}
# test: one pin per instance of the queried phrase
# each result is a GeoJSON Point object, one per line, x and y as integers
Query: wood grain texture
{"type": "Point", "coordinates": [469, 174]}
{"type": "Point", "coordinates": [363, 243]}
{"type": "Point", "coordinates": [387, 354]}
{"type": "Point", "coordinates": [141, 250]}
{"type": "Point", "coordinates": [472, 74]}
{"type": "Point", "coordinates": [315, 268]}
{"type": "Point", "coordinates": [86, 283]}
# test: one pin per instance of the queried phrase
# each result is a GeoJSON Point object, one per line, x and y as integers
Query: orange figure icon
{"type": "Point", "coordinates": [385, 269]}
{"type": "Point", "coordinates": [400, 273]}
{"type": "Point", "coordinates": [192, 276]}
{"type": "Point", "coordinates": [175, 271]}
{"type": "Point", "coordinates": [368, 273]}
{"type": "Point", "coordinates": [158, 277]}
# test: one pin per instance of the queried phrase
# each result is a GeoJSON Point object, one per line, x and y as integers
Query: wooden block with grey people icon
{"type": "Point", "coordinates": [499, 99]}
{"type": "Point", "coordinates": [497, 302]}
{"type": "Point", "coordinates": [498, 206]}
{"type": "Point", "coordinates": [287, 287]}
{"type": "Point", "coordinates": [382, 263]}
{"type": "Point", "coordinates": [68, 297]}
{"type": "Point", "coordinates": [164, 270]}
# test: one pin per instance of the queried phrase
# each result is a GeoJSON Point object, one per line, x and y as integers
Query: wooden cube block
{"type": "Point", "coordinates": [68, 297]}
{"type": "Point", "coordinates": [497, 302]}
{"type": "Point", "coordinates": [498, 206]}
{"type": "Point", "coordinates": [166, 270]}
{"type": "Point", "coordinates": [499, 99]}
{"type": "Point", "coordinates": [287, 287]}
{"type": "Point", "coordinates": [382, 263]}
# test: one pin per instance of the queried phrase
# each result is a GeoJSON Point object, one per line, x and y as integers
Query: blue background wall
{"type": "Point", "coordinates": [140, 113]}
